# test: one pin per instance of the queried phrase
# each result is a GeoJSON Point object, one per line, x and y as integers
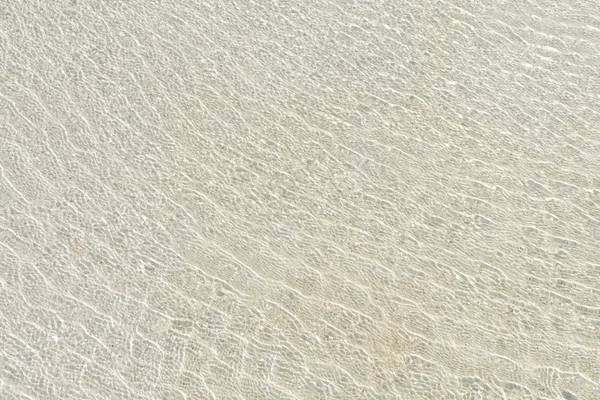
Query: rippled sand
{"type": "Point", "coordinates": [311, 200]}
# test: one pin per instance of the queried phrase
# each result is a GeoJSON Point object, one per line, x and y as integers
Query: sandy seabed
{"type": "Point", "coordinates": [299, 199]}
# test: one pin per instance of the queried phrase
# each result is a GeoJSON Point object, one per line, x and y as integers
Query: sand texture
{"type": "Point", "coordinates": [338, 199]}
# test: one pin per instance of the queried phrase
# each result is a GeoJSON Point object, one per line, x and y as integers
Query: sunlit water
{"type": "Point", "coordinates": [292, 199]}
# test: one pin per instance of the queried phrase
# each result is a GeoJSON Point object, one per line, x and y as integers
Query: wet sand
{"type": "Point", "coordinates": [299, 200]}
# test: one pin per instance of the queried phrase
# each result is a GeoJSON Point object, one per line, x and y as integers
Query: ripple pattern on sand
{"type": "Point", "coordinates": [337, 199]}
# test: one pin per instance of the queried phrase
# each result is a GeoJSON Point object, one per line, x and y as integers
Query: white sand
{"type": "Point", "coordinates": [313, 200]}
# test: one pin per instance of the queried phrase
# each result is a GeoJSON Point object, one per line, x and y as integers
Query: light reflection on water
{"type": "Point", "coordinates": [299, 200]}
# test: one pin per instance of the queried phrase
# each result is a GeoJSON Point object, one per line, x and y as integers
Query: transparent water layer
{"type": "Point", "coordinates": [299, 200]}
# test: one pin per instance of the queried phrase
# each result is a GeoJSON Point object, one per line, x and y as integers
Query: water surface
{"type": "Point", "coordinates": [299, 200]}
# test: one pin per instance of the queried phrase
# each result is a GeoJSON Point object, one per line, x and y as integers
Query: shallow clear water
{"type": "Point", "coordinates": [259, 199]}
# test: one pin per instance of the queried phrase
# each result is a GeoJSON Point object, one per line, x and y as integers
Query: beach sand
{"type": "Point", "coordinates": [299, 200]}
